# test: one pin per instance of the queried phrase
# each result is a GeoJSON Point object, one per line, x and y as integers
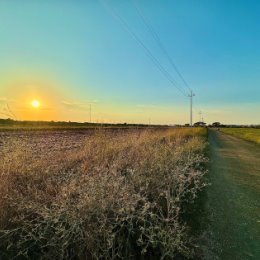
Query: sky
{"type": "Point", "coordinates": [71, 54]}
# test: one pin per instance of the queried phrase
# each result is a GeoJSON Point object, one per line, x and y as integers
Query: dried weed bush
{"type": "Point", "coordinates": [120, 196]}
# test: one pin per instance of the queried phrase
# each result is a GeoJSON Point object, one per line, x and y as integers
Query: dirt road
{"type": "Point", "coordinates": [232, 210]}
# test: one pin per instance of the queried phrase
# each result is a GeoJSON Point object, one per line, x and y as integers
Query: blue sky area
{"type": "Point", "coordinates": [68, 54]}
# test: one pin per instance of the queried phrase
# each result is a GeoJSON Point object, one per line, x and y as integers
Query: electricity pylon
{"type": "Point", "coordinates": [191, 95]}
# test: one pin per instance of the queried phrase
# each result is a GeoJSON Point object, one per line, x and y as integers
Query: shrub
{"type": "Point", "coordinates": [120, 196]}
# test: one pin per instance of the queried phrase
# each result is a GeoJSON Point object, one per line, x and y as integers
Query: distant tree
{"type": "Point", "coordinates": [216, 124]}
{"type": "Point", "coordinates": [200, 123]}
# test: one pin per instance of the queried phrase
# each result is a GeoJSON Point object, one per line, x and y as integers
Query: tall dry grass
{"type": "Point", "coordinates": [122, 195]}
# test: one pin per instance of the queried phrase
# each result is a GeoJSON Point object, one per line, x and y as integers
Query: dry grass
{"type": "Point", "coordinates": [117, 195]}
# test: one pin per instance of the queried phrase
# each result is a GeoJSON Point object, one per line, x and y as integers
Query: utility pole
{"type": "Point", "coordinates": [200, 113]}
{"type": "Point", "coordinates": [90, 113]}
{"type": "Point", "coordinates": [191, 96]}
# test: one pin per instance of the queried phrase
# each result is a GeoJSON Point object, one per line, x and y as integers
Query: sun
{"type": "Point", "coordinates": [35, 103]}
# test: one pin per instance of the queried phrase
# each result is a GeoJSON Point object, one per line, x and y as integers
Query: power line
{"type": "Point", "coordinates": [154, 59]}
{"type": "Point", "coordinates": [159, 42]}
{"type": "Point", "coordinates": [10, 111]}
{"type": "Point", "coordinates": [147, 51]}
{"type": "Point", "coordinates": [8, 115]}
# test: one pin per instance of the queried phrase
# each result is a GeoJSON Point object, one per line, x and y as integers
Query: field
{"type": "Point", "coordinates": [99, 194]}
{"type": "Point", "coordinates": [249, 134]}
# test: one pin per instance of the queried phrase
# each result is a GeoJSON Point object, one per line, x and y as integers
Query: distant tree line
{"type": "Point", "coordinates": [15, 123]}
{"type": "Point", "coordinates": [63, 124]}
{"type": "Point", "coordinates": [218, 124]}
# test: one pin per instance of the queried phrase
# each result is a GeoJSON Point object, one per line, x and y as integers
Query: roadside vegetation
{"type": "Point", "coordinates": [249, 134]}
{"type": "Point", "coordinates": [119, 195]}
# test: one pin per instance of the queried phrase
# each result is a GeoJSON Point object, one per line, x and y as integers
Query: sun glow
{"type": "Point", "coordinates": [35, 103]}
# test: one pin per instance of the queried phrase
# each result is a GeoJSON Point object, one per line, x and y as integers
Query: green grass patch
{"type": "Point", "coordinates": [249, 134]}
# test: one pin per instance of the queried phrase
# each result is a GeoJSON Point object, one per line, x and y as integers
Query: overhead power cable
{"type": "Point", "coordinates": [147, 51]}
{"type": "Point", "coordinates": [10, 111]}
{"type": "Point", "coordinates": [5, 114]}
{"type": "Point", "coordinates": [160, 44]}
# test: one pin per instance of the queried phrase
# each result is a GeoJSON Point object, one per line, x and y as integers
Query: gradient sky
{"type": "Point", "coordinates": [70, 53]}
